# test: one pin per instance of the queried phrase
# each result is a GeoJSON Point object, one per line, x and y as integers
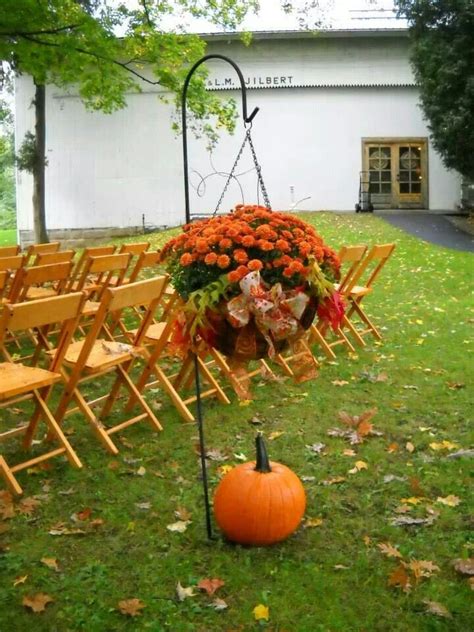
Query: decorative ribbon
{"type": "Point", "coordinates": [276, 313]}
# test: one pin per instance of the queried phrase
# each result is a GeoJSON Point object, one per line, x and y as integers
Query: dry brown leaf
{"type": "Point", "coordinates": [183, 514]}
{"type": "Point", "coordinates": [7, 509]}
{"type": "Point", "coordinates": [393, 447]}
{"type": "Point", "coordinates": [422, 568]}
{"type": "Point", "coordinates": [211, 585]}
{"type": "Point", "coordinates": [434, 607]}
{"type": "Point", "coordinates": [400, 578]}
{"type": "Point", "coordinates": [409, 447]}
{"type": "Point", "coordinates": [27, 506]}
{"type": "Point", "coordinates": [37, 602]}
{"type": "Point", "coordinates": [218, 604]}
{"type": "Point", "coordinates": [449, 501]}
{"type": "Point", "coordinates": [50, 562]}
{"type": "Point", "coordinates": [464, 566]}
{"type": "Point", "coordinates": [82, 516]}
{"type": "Point", "coordinates": [364, 428]}
{"type": "Point", "coordinates": [178, 527]}
{"type": "Point", "coordinates": [334, 481]}
{"type": "Point", "coordinates": [339, 382]}
{"type": "Point", "coordinates": [387, 549]}
{"type": "Point", "coordinates": [131, 607]}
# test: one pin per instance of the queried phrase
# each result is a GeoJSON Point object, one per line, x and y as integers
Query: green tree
{"type": "Point", "coordinates": [7, 167]}
{"type": "Point", "coordinates": [442, 35]}
{"type": "Point", "coordinates": [104, 50]}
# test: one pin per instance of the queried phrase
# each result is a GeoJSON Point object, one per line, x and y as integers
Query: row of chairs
{"type": "Point", "coordinates": [134, 319]}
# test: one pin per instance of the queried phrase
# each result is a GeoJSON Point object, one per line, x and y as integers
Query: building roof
{"type": "Point", "coordinates": [300, 34]}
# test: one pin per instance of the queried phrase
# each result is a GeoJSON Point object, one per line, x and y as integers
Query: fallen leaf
{"type": "Point", "coordinates": [261, 612]}
{"type": "Point", "coordinates": [387, 549]}
{"type": "Point", "coordinates": [389, 478]}
{"type": "Point", "coordinates": [413, 500]}
{"type": "Point", "coordinates": [450, 501]}
{"type": "Point", "coordinates": [245, 402]}
{"type": "Point", "coordinates": [178, 527]}
{"type": "Point", "coordinates": [460, 453]}
{"type": "Point", "coordinates": [364, 428]}
{"type": "Point", "coordinates": [183, 593]}
{"type": "Point", "coordinates": [82, 516]}
{"type": "Point", "coordinates": [61, 529]}
{"type": "Point", "coordinates": [143, 506]}
{"type": "Point", "coordinates": [222, 470]}
{"type": "Point", "coordinates": [393, 447]}
{"type": "Point", "coordinates": [218, 604]}
{"type": "Point", "coordinates": [409, 521]}
{"type": "Point", "coordinates": [131, 607]}
{"type": "Point", "coordinates": [317, 448]}
{"type": "Point", "coordinates": [334, 481]}
{"type": "Point", "coordinates": [183, 514]}
{"type": "Point", "coordinates": [7, 509]}
{"type": "Point", "coordinates": [436, 608]}
{"type": "Point", "coordinates": [27, 506]}
{"type": "Point", "coordinates": [339, 382]}
{"type": "Point", "coordinates": [312, 522]}
{"type": "Point", "coordinates": [37, 602]}
{"type": "Point", "coordinates": [443, 445]}
{"type": "Point", "coordinates": [255, 421]}
{"type": "Point", "coordinates": [409, 447]}
{"type": "Point", "coordinates": [341, 567]}
{"type": "Point", "coordinates": [349, 452]}
{"type": "Point", "coordinates": [400, 578]}
{"type": "Point", "coordinates": [216, 455]}
{"type": "Point", "coordinates": [422, 568]}
{"type": "Point", "coordinates": [20, 580]}
{"type": "Point", "coordinates": [274, 435]}
{"type": "Point", "coordinates": [454, 386]}
{"type": "Point", "coordinates": [464, 566]}
{"type": "Point", "coordinates": [141, 471]}
{"type": "Point", "coordinates": [50, 562]}
{"type": "Point", "coordinates": [211, 585]}
{"type": "Point", "coordinates": [358, 466]}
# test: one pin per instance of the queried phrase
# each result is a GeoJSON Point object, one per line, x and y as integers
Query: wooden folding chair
{"type": "Point", "coordinates": [47, 258]}
{"type": "Point", "coordinates": [135, 250]}
{"type": "Point", "coordinates": [178, 385]}
{"type": "Point", "coordinates": [351, 258]}
{"type": "Point", "coordinates": [94, 357]}
{"type": "Point", "coordinates": [9, 251]}
{"type": "Point", "coordinates": [19, 382]}
{"type": "Point", "coordinates": [4, 276]}
{"type": "Point", "coordinates": [35, 249]}
{"type": "Point", "coordinates": [40, 282]}
{"type": "Point", "coordinates": [11, 264]}
{"type": "Point", "coordinates": [368, 273]}
{"type": "Point", "coordinates": [93, 251]}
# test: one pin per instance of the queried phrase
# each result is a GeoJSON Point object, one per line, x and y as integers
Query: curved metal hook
{"type": "Point", "coordinates": [246, 118]}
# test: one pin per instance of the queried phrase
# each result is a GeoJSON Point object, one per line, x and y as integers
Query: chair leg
{"type": "Point", "coordinates": [317, 337]}
{"type": "Point", "coordinates": [10, 480]}
{"type": "Point", "coordinates": [363, 316]}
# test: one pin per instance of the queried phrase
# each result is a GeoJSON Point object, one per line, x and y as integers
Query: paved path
{"type": "Point", "coordinates": [432, 227]}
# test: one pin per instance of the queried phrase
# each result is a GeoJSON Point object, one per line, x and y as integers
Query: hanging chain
{"type": "Point", "coordinates": [247, 139]}
{"type": "Point", "coordinates": [259, 171]}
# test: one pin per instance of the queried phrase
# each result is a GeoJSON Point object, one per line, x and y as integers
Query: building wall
{"type": "Point", "coordinates": [118, 170]}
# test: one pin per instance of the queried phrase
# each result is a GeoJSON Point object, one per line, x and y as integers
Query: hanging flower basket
{"type": "Point", "coordinates": [252, 281]}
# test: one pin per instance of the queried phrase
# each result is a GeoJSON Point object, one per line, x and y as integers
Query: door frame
{"type": "Point", "coordinates": [395, 141]}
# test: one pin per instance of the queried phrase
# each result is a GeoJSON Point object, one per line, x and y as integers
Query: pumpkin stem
{"type": "Point", "coordinates": [263, 464]}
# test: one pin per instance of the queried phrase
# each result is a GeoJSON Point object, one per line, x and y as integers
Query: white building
{"type": "Point", "coordinates": [332, 105]}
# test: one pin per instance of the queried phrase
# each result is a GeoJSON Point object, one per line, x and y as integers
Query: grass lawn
{"type": "Point", "coordinates": [333, 576]}
{"type": "Point", "coordinates": [8, 237]}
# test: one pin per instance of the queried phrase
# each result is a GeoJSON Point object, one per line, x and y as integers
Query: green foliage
{"type": "Point", "coordinates": [7, 172]}
{"type": "Point", "coordinates": [443, 61]}
{"type": "Point", "coordinates": [65, 43]}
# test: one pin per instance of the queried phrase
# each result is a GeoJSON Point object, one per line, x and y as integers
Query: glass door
{"type": "Point", "coordinates": [397, 171]}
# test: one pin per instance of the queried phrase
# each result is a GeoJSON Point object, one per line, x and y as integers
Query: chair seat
{"type": "Point", "coordinates": [360, 290]}
{"type": "Point", "coordinates": [34, 293]}
{"type": "Point", "coordinates": [104, 354]}
{"type": "Point", "coordinates": [16, 379]}
{"type": "Point", "coordinates": [153, 333]}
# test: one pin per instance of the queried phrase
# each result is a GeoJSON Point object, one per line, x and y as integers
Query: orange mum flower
{"type": "Point", "coordinates": [202, 245]}
{"type": "Point", "coordinates": [255, 264]}
{"type": "Point", "coordinates": [241, 256]}
{"type": "Point", "coordinates": [186, 259]}
{"type": "Point", "coordinates": [223, 261]}
{"type": "Point", "coordinates": [210, 259]}
{"type": "Point", "coordinates": [248, 241]}
{"type": "Point", "coordinates": [265, 245]}
{"type": "Point", "coordinates": [225, 243]}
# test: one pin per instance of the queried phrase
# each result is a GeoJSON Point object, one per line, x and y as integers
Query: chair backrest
{"type": "Point", "coordinates": [135, 248]}
{"type": "Point", "coordinates": [373, 263]}
{"type": "Point", "coordinates": [4, 276]}
{"type": "Point", "coordinates": [57, 273]}
{"type": "Point", "coordinates": [9, 251]}
{"type": "Point", "coordinates": [144, 261]}
{"type": "Point", "coordinates": [35, 249]}
{"type": "Point", "coordinates": [12, 262]}
{"type": "Point", "coordinates": [351, 258]}
{"type": "Point", "coordinates": [92, 251]}
{"type": "Point", "coordinates": [65, 309]}
{"type": "Point", "coordinates": [46, 258]}
{"type": "Point", "coordinates": [106, 269]}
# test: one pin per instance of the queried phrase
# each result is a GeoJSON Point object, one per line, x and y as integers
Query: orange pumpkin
{"type": "Point", "coordinates": [259, 503]}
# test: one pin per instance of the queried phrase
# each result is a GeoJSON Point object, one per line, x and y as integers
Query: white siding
{"type": "Point", "coordinates": [109, 170]}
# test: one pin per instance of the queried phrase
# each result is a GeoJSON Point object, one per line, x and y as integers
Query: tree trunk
{"type": "Point", "coordinates": [39, 211]}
